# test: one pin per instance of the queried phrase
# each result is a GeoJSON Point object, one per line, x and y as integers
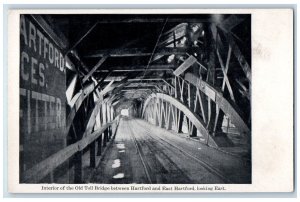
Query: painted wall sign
{"type": "Point", "coordinates": [42, 93]}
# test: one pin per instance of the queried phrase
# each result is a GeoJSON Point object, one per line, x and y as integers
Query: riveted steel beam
{"type": "Point", "coordinates": [194, 118]}
{"type": "Point", "coordinates": [230, 109]}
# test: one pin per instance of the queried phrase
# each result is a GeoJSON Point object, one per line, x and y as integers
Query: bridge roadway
{"type": "Point", "coordinates": [144, 154]}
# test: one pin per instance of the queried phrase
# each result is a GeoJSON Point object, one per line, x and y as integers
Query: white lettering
{"type": "Point", "coordinates": [51, 53]}
{"type": "Point", "coordinates": [46, 42]}
{"type": "Point", "coordinates": [53, 117]}
{"type": "Point", "coordinates": [62, 62]}
{"type": "Point", "coordinates": [52, 112]}
{"type": "Point", "coordinates": [41, 37]}
{"type": "Point", "coordinates": [45, 98]}
{"type": "Point", "coordinates": [33, 71]}
{"type": "Point", "coordinates": [36, 96]}
{"type": "Point", "coordinates": [32, 35]}
{"type": "Point", "coordinates": [41, 73]}
{"type": "Point", "coordinates": [23, 29]}
{"type": "Point", "coordinates": [25, 76]}
{"type": "Point", "coordinates": [58, 111]}
{"type": "Point", "coordinates": [56, 58]}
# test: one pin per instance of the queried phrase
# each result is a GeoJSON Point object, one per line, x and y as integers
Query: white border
{"type": "Point", "coordinates": [272, 112]}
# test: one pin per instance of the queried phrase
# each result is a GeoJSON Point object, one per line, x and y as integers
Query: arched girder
{"type": "Point", "coordinates": [232, 111]}
{"type": "Point", "coordinates": [86, 92]}
{"type": "Point", "coordinates": [93, 114]}
{"type": "Point", "coordinates": [194, 118]}
{"type": "Point", "coordinates": [80, 97]}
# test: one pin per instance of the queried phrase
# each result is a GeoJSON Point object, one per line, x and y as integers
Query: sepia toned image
{"type": "Point", "coordinates": [150, 101]}
{"type": "Point", "coordinates": [135, 99]}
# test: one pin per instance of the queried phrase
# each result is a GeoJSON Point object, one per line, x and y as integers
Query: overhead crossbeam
{"type": "Point", "coordinates": [155, 20]}
{"type": "Point", "coordinates": [136, 90]}
{"type": "Point", "coordinates": [133, 52]}
{"type": "Point", "coordinates": [99, 63]}
{"type": "Point", "coordinates": [139, 88]}
{"type": "Point", "coordinates": [140, 78]}
{"type": "Point", "coordinates": [134, 68]}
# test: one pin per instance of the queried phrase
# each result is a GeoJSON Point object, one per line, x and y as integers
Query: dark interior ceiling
{"type": "Point", "coordinates": [107, 33]}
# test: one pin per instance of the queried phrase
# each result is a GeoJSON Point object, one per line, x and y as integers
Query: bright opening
{"type": "Point", "coordinates": [116, 163]}
{"type": "Point", "coordinates": [124, 112]}
{"type": "Point", "coordinates": [118, 176]}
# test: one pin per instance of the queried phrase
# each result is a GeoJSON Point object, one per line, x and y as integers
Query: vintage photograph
{"type": "Point", "coordinates": [135, 99]}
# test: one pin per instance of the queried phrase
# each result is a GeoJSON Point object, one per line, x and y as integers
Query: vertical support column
{"type": "Point", "coordinates": [152, 113]}
{"type": "Point", "coordinates": [104, 139]}
{"type": "Point", "coordinates": [104, 113]}
{"type": "Point", "coordinates": [99, 148]}
{"type": "Point", "coordinates": [211, 116]}
{"type": "Point", "coordinates": [112, 113]}
{"type": "Point", "coordinates": [170, 118]}
{"type": "Point", "coordinates": [192, 97]}
{"type": "Point", "coordinates": [106, 135]}
{"type": "Point", "coordinates": [175, 116]}
{"type": "Point", "coordinates": [176, 88]}
{"type": "Point", "coordinates": [162, 117]}
{"type": "Point", "coordinates": [210, 37]}
{"type": "Point", "coordinates": [179, 115]}
{"type": "Point", "coordinates": [93, 154]}
{"type": "Point", "coordinates": [180, 121]}
{"type": "Point", "coordinates": [78, 168]}
{"type": "Point", "coordinates": [156, 113]}
{"type": "Point", "coordinates": [218, 122]}
{"type": "Point", "coordinates": [108, 112]}
{"type": "Point", "coordinates": [101, 115]}
{"type": "Point", "coordinates": [109, 130]}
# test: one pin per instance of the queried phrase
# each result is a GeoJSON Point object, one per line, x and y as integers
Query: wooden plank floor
{"type": "Point", "coordinates": [143, 153]}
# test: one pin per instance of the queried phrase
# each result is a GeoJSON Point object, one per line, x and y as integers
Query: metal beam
{"type": "Point", "coordinates": [150, 19]}
{"type": "Point", "coordinates": [185, 65]}
{"type": "Point", "coordinates": [100, 82]}
{"type": "Point", "coordinates": [82, 37]}
{"type": "Point", "coordinates": [139, 88]}
{"type": "Point", "coordinates": [237, 52]}
{"type": "Point", "coordinates": [99, 63]}
{"type": "Point", "coordinates": [224, 70]}
{"type": "Point", "coordinates": [176, 28]}
{"type": "Point", "coordinates": [131, 52]}
{"type": "Point", "coordinates": [155, 82]}
{"type": "Point", "coordinates": [146, 84]}
{"type": "Point", "coordinates": [137, 68]}
{"type": "Point", "coordinates": [230, 109]}
{"type": "Point", "coordinates": [140, 78]}
{"type": "Point", "coordinates": [168, 83]}
{"type": "Point", "coordinates": [194, 118]}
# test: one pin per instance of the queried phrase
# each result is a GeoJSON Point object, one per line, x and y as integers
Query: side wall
{"type": "Point", "coordinates": [42, 94]}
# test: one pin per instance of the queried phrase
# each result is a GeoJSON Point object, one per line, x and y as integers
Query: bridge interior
{"type": "Point", "coordinates": [135, 98]}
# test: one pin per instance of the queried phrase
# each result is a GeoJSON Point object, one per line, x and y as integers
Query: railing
{"type": "Point", "coordinates": [47, 166]}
